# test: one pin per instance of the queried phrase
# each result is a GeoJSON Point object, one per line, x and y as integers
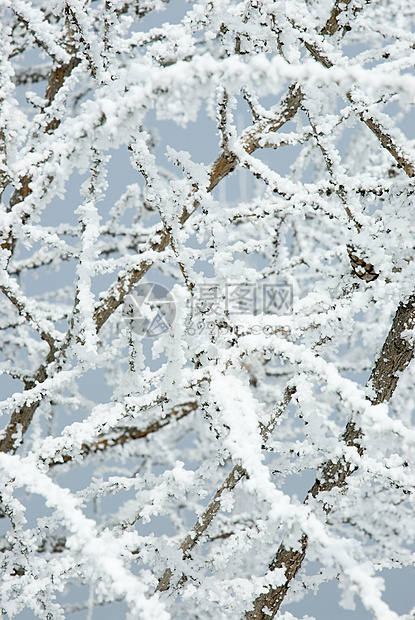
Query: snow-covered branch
{"type": "Point", "coordinates": [207, 263]}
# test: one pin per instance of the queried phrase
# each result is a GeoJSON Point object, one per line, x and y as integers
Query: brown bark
{"type": "Point", "coordinates": [222, 166]}
{"type": "Point", "coordinates": [395, 356]}
{"type": "Point", "coordinates": [119, 437]}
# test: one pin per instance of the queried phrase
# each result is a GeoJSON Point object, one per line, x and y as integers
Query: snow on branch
{"type": "Point", "coordinates": [207, 322]}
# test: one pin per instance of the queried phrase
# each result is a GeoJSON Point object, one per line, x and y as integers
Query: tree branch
{"type": "Point", "coordinates": [223, 165]}
{"type": "Point", "coordinates": [395, 356]}
{"type": "Point", "coordinates": [404, 160]}
{"type": "Point", "coordinates": [121, 436]}
{"type": "Point", "coordinates": [237, 474]}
